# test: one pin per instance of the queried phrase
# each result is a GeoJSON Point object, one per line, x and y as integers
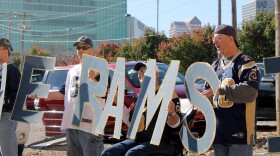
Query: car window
{"type": "Point", "coordinates": [56, 79]}
{"type": "Point", "coordinates": [127, 87]}
{"type": "Point", "coordinates": [37, 76]}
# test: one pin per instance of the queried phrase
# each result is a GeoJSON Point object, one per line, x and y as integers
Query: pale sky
{"type": "Point", "coordinates": [180, 10]}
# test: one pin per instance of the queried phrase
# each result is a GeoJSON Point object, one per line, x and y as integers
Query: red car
{"type": "Point", "coordinates": [53, 109]}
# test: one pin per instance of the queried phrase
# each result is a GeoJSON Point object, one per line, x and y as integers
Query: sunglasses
{"type": "Point", "coordinates": [83, 47]}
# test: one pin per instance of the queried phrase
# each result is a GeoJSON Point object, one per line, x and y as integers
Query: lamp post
{"type": "Point", "coordinates": [157, 14]}
{"type": "Point", "coordinates": [68, 29]}
{"type": "Point", "coordinates": [129, 26]}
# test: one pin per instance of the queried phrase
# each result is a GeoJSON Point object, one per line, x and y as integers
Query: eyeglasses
{"type": "Point", "coordinates": [83, 47]}
{"type": "Point", "coordinates": [219, 38]}
{"type": "Point", "coordinates": [143, 70]}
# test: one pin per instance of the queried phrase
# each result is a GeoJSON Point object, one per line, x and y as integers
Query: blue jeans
{"type": "Point", "coordinates": [133, 148]}
{"type": "Point", "coordinates": [233, 150]}
{"type": "Point", "coordinates": [83, 143]}
{"type": "Point", "coordinates": [8, 138]}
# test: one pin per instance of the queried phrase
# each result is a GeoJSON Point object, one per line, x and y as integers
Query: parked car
{"type": "Point", "coordinates": [265, 109]}
{"type": "Point", "coordinates": [266, 104]}
{"type": "Point", "coordinates": [53, 109]}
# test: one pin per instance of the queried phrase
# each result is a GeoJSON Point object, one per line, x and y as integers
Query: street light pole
{"type": "Point", "coordinates": [157, 14]}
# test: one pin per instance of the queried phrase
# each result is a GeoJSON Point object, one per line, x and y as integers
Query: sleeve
{"type": "Point", "coordinates": [12, 85]}
{"type": "Point", "coordinates": [249, 77]}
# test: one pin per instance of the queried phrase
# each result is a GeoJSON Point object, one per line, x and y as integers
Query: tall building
{"type": "Point", "coordinates": [56, 24]}
{"type": "Point", "coordinates": [250, 9]}
{"type": "Point", "coordinates": [135, 28]}
{"type": "Point", "coordinates": [179, 27]}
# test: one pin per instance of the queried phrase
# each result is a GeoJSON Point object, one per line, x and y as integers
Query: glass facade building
{"type": "Point", "coordinates": [250, 10]}
{"type": "Point", "coordinates": [56, 24]}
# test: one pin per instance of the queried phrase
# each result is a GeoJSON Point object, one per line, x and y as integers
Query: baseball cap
{"type": "Point", "coordinates": [85, 40]}
{"type": "Point", "coordinates": [6, 43]}
{"type": "Point", "coordinates": [227, 30]}
{"type": "Point", "coordinates": [138, 65]}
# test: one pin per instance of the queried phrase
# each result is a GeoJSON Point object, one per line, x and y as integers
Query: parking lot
{"type": "Point", "coordinates": [265, 129]}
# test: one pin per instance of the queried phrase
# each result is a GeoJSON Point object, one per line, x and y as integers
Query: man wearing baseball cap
{"type": "Point", "coordinates": [236, 97]}
{"type": "Point", "coordinates": [79, 142]}
{"type": "Point", "coordinates": [8, 139]}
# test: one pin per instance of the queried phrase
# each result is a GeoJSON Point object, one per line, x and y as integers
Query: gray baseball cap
{"type": "Point", "coordinates": [227, 30]}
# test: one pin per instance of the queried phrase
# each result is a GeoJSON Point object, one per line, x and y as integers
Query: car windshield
{"type": "Point", "coordinates": [131, 74]}
{"type": "Point", "coordinates": [56, 79]}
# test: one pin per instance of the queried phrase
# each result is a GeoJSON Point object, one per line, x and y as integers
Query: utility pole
{"type": "Point", "coordinates": [9, 23]}
{"type": "Point", "coordinates": [277, 54]}
{"type": "Point", "coordinates": [271, 65]}
{"type": "Point", "coordinates": [219, 12]}
{"type": "Point", "coordinates": [23, 28]}
{"type": "Point", "coordinates": [233, 12]}
{"type": "Point", "coordinates": [157, 14]}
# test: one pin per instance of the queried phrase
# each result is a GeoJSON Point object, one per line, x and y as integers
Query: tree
{"type": "Point", "coordinates": [189, 48]}
{"type": "Point", "coordinates": [257, 37]}
{"type": "Point", "coordinates": [16, 61]}
{"type": "Point", "coordinates": [108, 51]}
{"type": "Point", "coordinates": [39, 51]}
{"type": "Point", "coordinates": [143, 48]}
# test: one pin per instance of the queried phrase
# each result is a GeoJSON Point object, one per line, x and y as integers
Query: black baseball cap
{"type": "Point", "coordinates": [138, 65]}
{"type": "Point", "coordinates": [227, 30]}
{"type": "Point", "coordinates": [85, 40]}
{"type": "Point", "coordinates": [6, 43]}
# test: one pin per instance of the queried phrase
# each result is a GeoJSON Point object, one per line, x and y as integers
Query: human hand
{"type": "Point", "coordinates": [32, 96]}
{"type": "Point", "coordinates": [91, 75]}
{"type": "Point", "coordinates": [171, 108]}
{"type": "Point", "coordinates": [208, 93]}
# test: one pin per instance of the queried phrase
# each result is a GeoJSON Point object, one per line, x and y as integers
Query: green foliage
{"type": "Point", "coordinates": [36, 50]}
{"type": "Point", "coordinates": [257, 37]}
{"type": "Point", "coordinates": [124, 51]}
{"type": "Point", "coordinates": [142, 48]}
{"type": "Point", "coordinates": [189, 48]}
{"type": "Point", "coordinates": [108, 51]}
{"type": "Point", "coordinates": [16, 61]}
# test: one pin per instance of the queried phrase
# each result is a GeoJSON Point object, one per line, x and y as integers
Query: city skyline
{"type": "Point", "coordinates": [182, 10]}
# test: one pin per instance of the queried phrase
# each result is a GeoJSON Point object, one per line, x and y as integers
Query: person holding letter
{"type": "Point", "coordinates": [235, 97]}
{"type": "Point", "coordinates": [8, 138]}
{"type": "Point", "coordinates": [78, 142]}
{"type": "Point", "coordinates": [170, 142]}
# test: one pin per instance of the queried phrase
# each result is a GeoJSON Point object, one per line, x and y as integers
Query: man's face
{"type": "Point", "coordinates": [84, 49]}
{"type": "Point", "coordinates": [141, 73]}
{"type": "Point", "coordinates": [4, 55]}
{"type": "Point", "coordinates": [222, 43]}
